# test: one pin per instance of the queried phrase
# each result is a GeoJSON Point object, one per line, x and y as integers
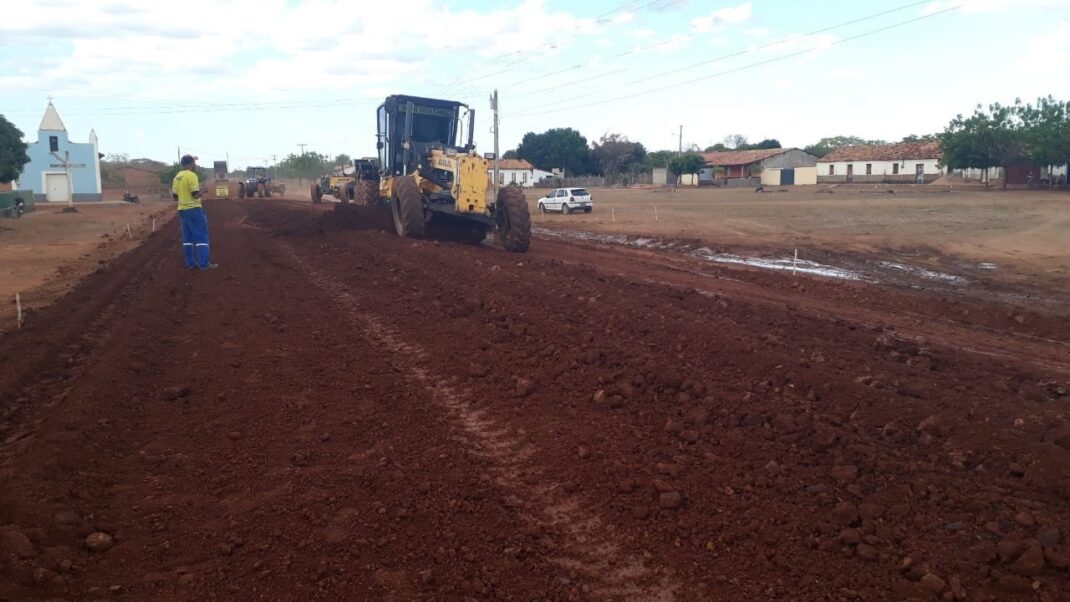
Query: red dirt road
{"type": "Point", "coordinates": [339, 414]}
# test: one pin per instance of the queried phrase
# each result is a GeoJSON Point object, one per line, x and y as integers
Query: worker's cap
{"type": "Point", "coordinates": [188, 159]}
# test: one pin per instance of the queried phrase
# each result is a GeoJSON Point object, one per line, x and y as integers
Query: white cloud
{"type": "Point", "coordinates": [256, 48]}
{"type": "Point", "coordinates": [1046, 56]}
{"type": "Point", "coordinates": [718, 19]}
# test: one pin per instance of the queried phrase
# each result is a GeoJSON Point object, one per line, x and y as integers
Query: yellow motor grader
{"type": "Point", "coordinates": [429, 171]}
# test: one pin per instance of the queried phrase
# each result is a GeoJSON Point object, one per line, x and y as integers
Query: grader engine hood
{"type": "Point", "coordinates": [470, 180]}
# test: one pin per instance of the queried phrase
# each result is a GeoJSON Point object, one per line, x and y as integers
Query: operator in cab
{"type": "Point", "coordinates": [186, 190]}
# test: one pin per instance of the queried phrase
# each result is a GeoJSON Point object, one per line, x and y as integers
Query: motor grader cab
{"type": "Point", "coordinates": [429, 171]}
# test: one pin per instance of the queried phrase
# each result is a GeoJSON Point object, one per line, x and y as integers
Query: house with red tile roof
{"type": "Point", "coordinates": [905, 162]}
{"type": "Point", "coordinates": [726, 166]}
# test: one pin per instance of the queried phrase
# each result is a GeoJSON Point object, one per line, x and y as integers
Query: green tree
{"type": "Point", "coordinates": [559, 147]}
{"type": "Point", "coordinates": [991, 137]}
{"type": "Point", "coordinates": [12, 151]}
{"type": "Point", "coordinates": [717, 148]}
{"type": "Point", "coordinates": [764, 144]}
{"type": "Point", "coordinates": [168, 175]}
{"type": "Point", "coordinates": [690, 163]}
{"type": "Point", "coordinates": [658, 159]}
{"type": "Point", "coordinates": [1046, 131]}
{"type": "Point", "coordinates": [343, 159]}
{"type": "Point", "coordinates": [615, 154]}
{"type": "Point", "coordinates": [510, 154]}
{"type": "Point", "coordinates": [827, 145]}
{"type": "Point", "coordinates": [921, 138]}
{"type": "Point", "coordinates": [305, 166]}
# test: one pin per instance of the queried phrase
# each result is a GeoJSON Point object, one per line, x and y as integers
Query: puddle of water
{"type": "Point", "coordinates": [802, 266]}
{"type": "Point", "coordinates": [924, 273]}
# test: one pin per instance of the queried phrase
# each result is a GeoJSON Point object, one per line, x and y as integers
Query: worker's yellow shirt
{"type": "Point", "coordinates": [184, 184]}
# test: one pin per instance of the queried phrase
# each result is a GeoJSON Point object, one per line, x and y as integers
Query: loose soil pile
{"type": "Point", "coordinates": [337, 413]}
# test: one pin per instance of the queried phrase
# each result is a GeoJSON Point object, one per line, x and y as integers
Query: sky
{"type": "Point", "coordinates": [252, 79]}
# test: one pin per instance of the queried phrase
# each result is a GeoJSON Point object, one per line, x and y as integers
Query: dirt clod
{"type": "Point", "coordinates": [670, 499]}
{"type": "Point", "coordinates": [99, 541]}
{"type": "Point", "coordinates": [15, 544]}
{"type": "Point", "coordinates": [933, 583]}
{"type": "Point", "coordinates": [173, 393]}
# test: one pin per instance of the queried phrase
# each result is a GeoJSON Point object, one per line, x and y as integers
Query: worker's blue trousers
{"type": "Point", "coordinates": [194, 237]}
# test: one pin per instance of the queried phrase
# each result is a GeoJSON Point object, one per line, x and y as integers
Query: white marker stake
{"type": "Point", "coordinates": [18, 309]}
{"type": "Point", "coordinates": [794, 262]}
{"type": "Point", "coordinates": [613, 214]}
{"type": "Point", "coordinates": [154, 224]}
{"type": "Point", "coordinates": [128, 232]}
{"type": "Point", "coordinates": [655, 213]}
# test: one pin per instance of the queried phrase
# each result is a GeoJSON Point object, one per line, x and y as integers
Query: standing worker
{"type": "Point", "coordinates": [186, 189]}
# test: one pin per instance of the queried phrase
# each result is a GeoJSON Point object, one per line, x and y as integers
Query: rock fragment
{"type": "Point", "coordinates": [99, 541]}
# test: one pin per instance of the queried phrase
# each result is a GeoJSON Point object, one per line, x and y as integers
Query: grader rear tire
{"type": "Point", "coordinates": [408, 208]}
{"type": "Point", "coordinates": [260, 191]}
{"type": "Point", "coordinates": [367, 194]}
{"type": "Point", "coordinates": [343, 194]}
{"type": "Point", "coordinates": [317, 194]}
{"type": "Point", "coordinates": [515, 232]}
{"type": "Point", "coordinates": [241, 190]}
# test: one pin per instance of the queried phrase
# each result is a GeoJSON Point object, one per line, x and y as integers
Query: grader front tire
{"type": "Point", "coordinates": [515, 231]}
{"type": "Point", "coordinates": [367, 194]}
{"type": "Point", "coordinates": [317, 194]}
{"type": "Point", "coordinates": [408, 208]}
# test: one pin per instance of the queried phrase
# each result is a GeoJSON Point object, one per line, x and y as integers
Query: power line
{"type": "Point", "coordinates": [739, 53]}
{"type": "Point", "coordinates": [744, 67]}
{"type": "Point", "coordinates": [553, 42]}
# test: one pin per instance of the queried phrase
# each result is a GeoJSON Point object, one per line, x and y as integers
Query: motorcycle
{"type": "Point", "coordinates": [131, 198]}
{"type": "Point", "coordinates": [17, 209]}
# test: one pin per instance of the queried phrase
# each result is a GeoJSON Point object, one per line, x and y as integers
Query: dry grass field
{"type": "Point", "coordinates": [1023, 231]}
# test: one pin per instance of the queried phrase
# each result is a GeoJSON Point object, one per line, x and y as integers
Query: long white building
{"type": "Point", "coordinates": [906, 162]}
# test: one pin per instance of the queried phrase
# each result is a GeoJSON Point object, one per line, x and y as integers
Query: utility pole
{"type": "Point", "coordinates": [494, 107]}
{"type": "Point", "coordinates": [274, 172]}
{"type": "Point", "coordinates": [681, 150]}
{"type": "Point", "coordinates": [302, 148]}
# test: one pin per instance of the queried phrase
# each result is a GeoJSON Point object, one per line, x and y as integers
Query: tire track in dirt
{"type": "Point", "coordinates": [588, 547]}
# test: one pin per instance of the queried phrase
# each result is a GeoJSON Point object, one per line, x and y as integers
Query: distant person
{"type": "Point", "coordinates": [186, 189]}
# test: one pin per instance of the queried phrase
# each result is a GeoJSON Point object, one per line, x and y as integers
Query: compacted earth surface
{"type": "Point", "coordinates": [340, 414]}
